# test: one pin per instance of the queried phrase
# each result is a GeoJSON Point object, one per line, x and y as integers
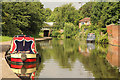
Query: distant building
{"type": "Point", "coordinates": [84, 21]}
{"type": "Point", "coordinates": [47, 29]}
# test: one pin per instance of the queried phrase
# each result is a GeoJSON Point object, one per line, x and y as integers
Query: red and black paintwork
{"type": "Point", "coordinates": [17, 44]}
{"type": "Point", "coordinates": [22, 43]}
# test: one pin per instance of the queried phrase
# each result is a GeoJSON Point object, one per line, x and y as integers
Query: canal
{"type": "Point", "coordinates": [72, 59]}
{"type": "Point", "coordinates": [77, 59]}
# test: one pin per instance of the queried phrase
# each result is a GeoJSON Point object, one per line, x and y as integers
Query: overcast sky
{"type": "Point", "coordinates": [57, 3]}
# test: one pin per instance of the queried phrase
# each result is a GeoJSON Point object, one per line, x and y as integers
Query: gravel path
{"type": "Point", "coordinates": [5, 43]}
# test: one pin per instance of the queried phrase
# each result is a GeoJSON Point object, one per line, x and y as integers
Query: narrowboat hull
{"type": "Point", "coordinates": [23, 58]}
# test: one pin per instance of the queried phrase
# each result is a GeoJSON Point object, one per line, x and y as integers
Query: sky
{"type": "Point", "coordinates": [57, 3]}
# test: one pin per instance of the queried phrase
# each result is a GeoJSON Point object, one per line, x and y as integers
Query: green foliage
{"type": "Point", "coordinates": [70, 30]}
{"type": "Point", "coordinates": [105, 12]}
{"type": "Point", "coordinates": [101, 38]}
{"type": "Point", "coordinates": [48, 12]}
{"type": "Point", "coordinates": [65, 13]}
{"type": "Point", "coordinates": [85, 10]}
{"type": "Point", "coordinates": [55, 33]}
{"type": "Point", "coordinates": [5, 38]}
{"type": "Point", "coordinates": [21, 17]}
{"type": "Point", "coordinates": [101, 13]}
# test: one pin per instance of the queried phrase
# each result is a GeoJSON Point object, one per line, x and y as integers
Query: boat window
{"type": "Point", "coordinates": [28, 46]}
{"type": "Point", "coordinates": [21, 46]}
{"type": "Point", "coordinates": [27, 36]}
{"type": "Point", "coordinates": [19, 35]}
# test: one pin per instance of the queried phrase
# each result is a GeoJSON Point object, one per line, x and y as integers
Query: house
{"type": "Point", "coordinates": [84, 21]}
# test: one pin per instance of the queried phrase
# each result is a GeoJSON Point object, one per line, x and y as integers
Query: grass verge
{"type": "Point", "coordinates": [5, 38]}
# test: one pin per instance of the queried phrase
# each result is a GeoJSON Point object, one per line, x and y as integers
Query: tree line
{"type": "Point", "coordinates": [28, 17]}
{"type": "Point", "coordinates": [100, 13]}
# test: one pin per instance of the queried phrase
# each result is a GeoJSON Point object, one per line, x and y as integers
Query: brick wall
{"type": "Point", "coordinates": [114, 34]}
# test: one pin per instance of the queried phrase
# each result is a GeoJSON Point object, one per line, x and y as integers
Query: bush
{"type": "Point", "coordinates": [70, 30]}
{"type": "Point", "coordinates": [55, 33]}
{"type": "Point", "coordinates": [102, 38]}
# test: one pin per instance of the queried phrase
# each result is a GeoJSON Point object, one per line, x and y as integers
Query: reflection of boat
{"type": "Point", "coordinates": [86, 51]}
{"type": "Point", "coordinates": [113, 55]}
{"type": "Point", "coordinates": [90, 37]}
{"type": "Point", "coordinates": [24, 71]}
{"type": "Point", "coordinates": [90, 46]}
{"type": "Point", "coordinates": [22, 50]}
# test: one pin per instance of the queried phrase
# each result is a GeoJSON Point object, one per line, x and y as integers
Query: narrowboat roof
{"type": "Point", "coordinates": [22, 36]}
{"type": "Point", "coordinates": [23, 43]}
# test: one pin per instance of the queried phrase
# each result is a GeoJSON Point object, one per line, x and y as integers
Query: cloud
{"type": "Point", "coordinates": [53, 5]}
{"type": "Point", "coordinates": [64, 0]}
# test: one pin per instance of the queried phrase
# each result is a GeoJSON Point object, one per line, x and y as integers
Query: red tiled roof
{"type": "Point", "coordinates": [84, 19]}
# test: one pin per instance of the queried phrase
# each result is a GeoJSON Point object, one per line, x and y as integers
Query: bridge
{"type": "Point", "coordinates": [47, 29]}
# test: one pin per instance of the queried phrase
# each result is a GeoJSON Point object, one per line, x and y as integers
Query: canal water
{"type": "Point", "coordinates": [75, 59]}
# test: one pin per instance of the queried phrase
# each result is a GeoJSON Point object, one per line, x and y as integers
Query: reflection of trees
{"type": "Point", "coordinates": [39, 65]}
{"type": "Point", "coordinates": [66, 54]}
{"type": "Point", "coordinates": [98, 65]}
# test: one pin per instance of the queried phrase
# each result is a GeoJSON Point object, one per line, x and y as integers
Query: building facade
{"type": "Point", "coordinates": [84, 21]}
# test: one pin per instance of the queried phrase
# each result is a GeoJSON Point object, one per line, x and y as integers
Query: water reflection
{"type": "Point", "coordinates": [62, 61]}
{"type": "Point", "coordinates": [26, 71]}
{"type": "Point", "coordinates": [86, 48]}
{"type": "Point", "coordinates": [96, 62]}
{"type": "Point", "coordinates": [69, 57]}
{"type": "Point", "coordinates": [113, 55]}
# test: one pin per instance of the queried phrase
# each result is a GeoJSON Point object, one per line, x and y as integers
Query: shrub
{"type": "Point", "coordinates": [70, 30]}
{"type": "Point", "coordinates": [55, 33]}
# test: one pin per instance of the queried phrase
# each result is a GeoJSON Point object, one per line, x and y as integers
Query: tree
{"type": "Point", "coordinates": [70, 30]}
{"type": "Point", "coordinates": [85, 10]}
{"type": "Point", "coordinates": [105, 12]}
{"type": "Point", "coordinates": [47, 13]}
{"type": "Point", "coordinates": [65, 13]}
{"type": "Point", "coordinates": [101, 13]}
{"type": "Point", "coordinates": [21, 17]}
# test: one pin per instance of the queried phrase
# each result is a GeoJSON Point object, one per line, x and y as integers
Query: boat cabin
{"type": "Point", "coordinates": [24, 44]}
{"type": "Point", "coordinates": [90, 37]}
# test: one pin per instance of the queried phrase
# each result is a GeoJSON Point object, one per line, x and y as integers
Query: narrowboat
{"type": "Point", "coordinates": [22, 50]}
{"type": "Point", "coordinates": [90, 37]}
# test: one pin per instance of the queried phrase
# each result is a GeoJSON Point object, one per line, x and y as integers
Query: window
{"type": "Point", "coordinates": [88, 23]}
{"type": "Point", "coordinates": [82, 23]}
